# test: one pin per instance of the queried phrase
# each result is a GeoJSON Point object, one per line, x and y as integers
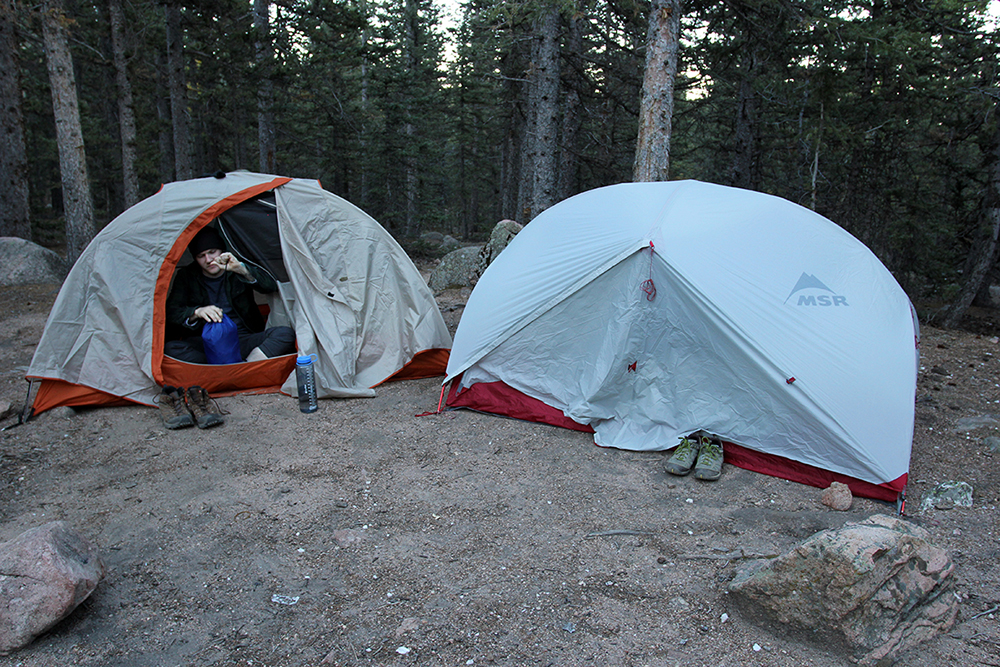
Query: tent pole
{"type": "Point", "coordinates": [26, 411]}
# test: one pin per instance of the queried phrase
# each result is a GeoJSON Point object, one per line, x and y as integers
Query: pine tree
{"type": "Point", "coordinates": [14, 197]}
{"type": "Point", "coordinates": [77, 202]}
{"type": "Point", "coordinates": [652, 155]}
{"type": "Point", "coordinates": [126, 110]}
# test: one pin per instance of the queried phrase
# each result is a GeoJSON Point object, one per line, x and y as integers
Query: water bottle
{"type": "Point", "coordinates": [305, 376]}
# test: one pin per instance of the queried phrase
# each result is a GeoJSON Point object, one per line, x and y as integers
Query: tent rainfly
{"type": "Point", "coordinates": [353, 296]}
{"type": "Point", "coordinates": [647, 311]}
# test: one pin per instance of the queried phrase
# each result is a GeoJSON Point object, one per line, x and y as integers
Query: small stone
{"type": "Point", "coordinates": [408, 625]}
{"type": "Point", "coordinates": [680, 603]}
{"type": "Point", "coordinates": [975, 422]}
{"type": "Point", "coordinates": [346, 537]}
{"type": "Point", "coordinates": [838, 497]}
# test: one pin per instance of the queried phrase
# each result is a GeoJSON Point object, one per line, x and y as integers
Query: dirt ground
{"type": "Point", "coordinates": [365, 535]}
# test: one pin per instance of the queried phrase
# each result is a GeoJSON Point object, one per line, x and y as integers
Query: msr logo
{"type": "Point", "coordinates": [808, 291]}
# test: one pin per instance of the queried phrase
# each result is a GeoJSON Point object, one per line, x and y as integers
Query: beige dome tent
{"type": "Point", "coordinates": [353, 296]}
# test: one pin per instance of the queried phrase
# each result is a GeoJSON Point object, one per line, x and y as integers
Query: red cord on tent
{"type": "Point", "coordinates": [648, 287]}
{"type": "Point", "coordinates": [440, 401]}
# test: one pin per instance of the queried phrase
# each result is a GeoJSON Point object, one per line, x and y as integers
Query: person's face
{"type": "Point", "coordinates": [206, 260]}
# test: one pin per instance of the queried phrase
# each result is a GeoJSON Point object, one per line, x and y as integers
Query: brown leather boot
{"type": "Point", "coordinates": [201, 406]}
{"type": "Point", "coordinates": [173, 409]}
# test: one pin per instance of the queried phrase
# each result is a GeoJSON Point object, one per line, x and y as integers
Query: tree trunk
{"type": "Point", "coordinates": [77, 204]}
{"type": "Point", "coordinates": [510, 168]}
{"type": "Point", "coordinates": [656, 111]}
{"type": "Point", "coordinates": [814, 169]}
{"type": "Point", "coordinates": [14, 209]}
{"type": "Point", "coordinates": [568, 159]}
{"type": "Point", "coordinates": [176, 81]}
{"type": "Point", "coordinates": [984, 246]}
{"type": "Point", "coordinates": [746, 172]}
{"type": "Point", "coordinates": [126, 109]}
{"type": "Point", "coordinates": [410, 187]}
{"type": "Point", "coordinates": [365, 106]}
{"type": "Point", "coordinates": [526, 164]}
{"type": "Point", "coordinates": [545, 86]}
{"type": "Point", "coordinates": [164, 135]}
{"type": "Point", "coordinates": [412, 224]}
{"type": "Point", "coordinates": [512, 68]}
{"type": "Point", "coordinates": [265, 86]}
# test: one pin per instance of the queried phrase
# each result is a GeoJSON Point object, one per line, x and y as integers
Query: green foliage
{"type": "Point", "coordinates": [877, 113]}
{"type": "Point", "coordinates": [865, 111]}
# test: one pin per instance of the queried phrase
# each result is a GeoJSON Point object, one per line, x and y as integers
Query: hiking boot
{"type": "Point", "coordinates": [201, 406]}
{"type": "Point", "coordinates": [709, 465]}
{"type": "Point", "coordinates": [684, 456]}
{"type": "Point", "coordinates": [173, 410]}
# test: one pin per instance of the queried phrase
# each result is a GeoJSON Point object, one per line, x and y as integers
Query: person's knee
{"type": "Point", "coordinates": [279, 341]}
{"type": "Point", "coordinates": [286, 335]}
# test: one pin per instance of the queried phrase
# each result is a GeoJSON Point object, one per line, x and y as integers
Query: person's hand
{"type": "Point", "coordinates": [229, 263]}
{"type": "Point", "coordinates": [209, 313]}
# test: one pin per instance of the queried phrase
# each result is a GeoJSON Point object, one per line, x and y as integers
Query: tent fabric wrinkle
{"type": "Point", "coordinates": [750, 290]}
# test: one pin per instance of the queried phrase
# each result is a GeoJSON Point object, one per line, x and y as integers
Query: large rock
{"type": "Point", "coordinates": [450, 243]}
{"type": "Point", "coordinates": [45, 573]}
{"type": "Point", "coordinates": [502, 233]}
{"type": "Point", "coordinates": [872, 589]}
{"type": "Point", "coordinates": [456, 269]}
{"type": "Point", "coordinates": [464, 266]}
{"type": "Point", "coordinates": [24, 263]}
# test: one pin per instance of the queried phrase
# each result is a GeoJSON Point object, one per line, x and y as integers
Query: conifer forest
{"type": "Point", "coordinates": [879, 114]}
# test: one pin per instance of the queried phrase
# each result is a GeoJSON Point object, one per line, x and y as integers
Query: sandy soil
{"type": "Point", "coordinates": [365, 535]}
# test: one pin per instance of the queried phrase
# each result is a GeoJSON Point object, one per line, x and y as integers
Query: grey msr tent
{"type": "Point", "coordinates": [647, 311]}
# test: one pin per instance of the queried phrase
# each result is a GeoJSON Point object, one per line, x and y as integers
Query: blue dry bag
{"type": "Point", "coordinates": [222, 341]}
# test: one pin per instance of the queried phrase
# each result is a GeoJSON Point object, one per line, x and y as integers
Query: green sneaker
{"type": "Point", "coordinates": [709, 465]}
{"type": "Point", "coordinates": [684, 456]}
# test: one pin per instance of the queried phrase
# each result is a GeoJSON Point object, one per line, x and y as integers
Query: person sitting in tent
{"type": "Point", "coordinates": [218, 283]}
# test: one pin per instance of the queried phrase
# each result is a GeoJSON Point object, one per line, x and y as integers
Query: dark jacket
{"type": "Point", "coordinates": [188, 293]}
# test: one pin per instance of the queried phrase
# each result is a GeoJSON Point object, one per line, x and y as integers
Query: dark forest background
{"type": "Point", "coordinates": [878, 114]}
